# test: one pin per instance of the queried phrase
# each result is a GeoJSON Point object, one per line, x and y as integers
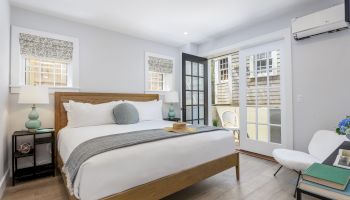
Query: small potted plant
{"type": "Point", "coordinates": [344, 127]}
{"type": "Point", "coordinates": [215, 122]}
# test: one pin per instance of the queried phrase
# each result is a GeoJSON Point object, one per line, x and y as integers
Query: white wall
{"type": "Point", "coordinates": [4, 88]}
{"type": "Point", "coordinates": [321, 68]}
{"type": "Point", "coordinates": [109, 61]}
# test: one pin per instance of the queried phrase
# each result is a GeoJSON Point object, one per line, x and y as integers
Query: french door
{"type": "Point", "coordinates": [194, 89]}
{"type": "Point", "coordinates": [263, 123]}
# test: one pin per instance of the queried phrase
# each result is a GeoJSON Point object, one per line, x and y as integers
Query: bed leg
{"type": "Point", "coordinates": [237, 168]}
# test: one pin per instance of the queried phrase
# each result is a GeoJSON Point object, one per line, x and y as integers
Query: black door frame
{"type": "Point", "coordinates": [204, 61]}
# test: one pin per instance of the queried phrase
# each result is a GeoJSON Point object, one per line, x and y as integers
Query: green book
{"type": "Point", "coordinates": [327, 175]}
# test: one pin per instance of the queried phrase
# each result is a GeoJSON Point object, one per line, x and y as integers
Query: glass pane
{"type": "Point", "coordinates": [188, 82]}
{"type": "Point", "coordinates": [188, 68]}
{"type": "Point", "coordinates": [195, 122]}
{"type": "Point", "coordinates": [262, 115]}
{"type": "Point", "coordinates": [33, 78]}
{"type": "Point", "coordinates": [275, 134]}
{"type": "Point", "coordinates": [201, 112]}
{"type": "Point", "coordinates": [47, 78]}
{"type": "Point", "coordinates": [262, 97]}
{"type": "Point", "coordinates": [188, 98]}
{"type": "Point", "coordinates": [195, 69]}
{"type": "Point", "coordinates": [189, 121]}
{"type": "Point", "coordinates": [188, 112]}
{"type": "Point", "coordinates": [195, 98]}
{"type": "Point", "coordinates": [250, 81]}
{"type": "Point", "coordinates": [251, 131]}
{"type": "Point", "coordinates": [275, 116]}
{"type": "Point", "coordinates": [45, 72]}
{"type": "Point", "coordinates": [201, 84]}
{"type": "Point", "coordinates": [251, 114]}
{"type": "Point", "coordinates": [251, 99]}
{"type": "Point", "coordinates": [201, 121]}
{"type": "Point", "coordinates": [274, 77]}
{"type": "Point", "coordinates": [195, 112]}
{"type": "Point", "coordinates": [201, 98]}
{"type": "Point", "coordinates": [195, 83]}
{"type": "Point", "coordinates": [262, 133]}
{"type": "Point", "coordinates": [201, 70]}
{"type": "Point", "coordinates": [275, 99]}
{"type": "Point", "coordinates": [262, 81]}
{"type": "Point", "coordinates": [250, 67]}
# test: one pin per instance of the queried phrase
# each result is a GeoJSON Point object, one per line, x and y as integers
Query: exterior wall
{"type": "Point", "coordinates": [227, 93]}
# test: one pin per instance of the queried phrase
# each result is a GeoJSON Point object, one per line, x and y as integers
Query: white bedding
{"type": "Point", "coordinates": [118, 170]}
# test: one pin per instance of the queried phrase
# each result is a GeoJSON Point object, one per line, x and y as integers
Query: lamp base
{"type": "Point", "coordinates": [171, 113]}
{"type": "Point", "coordinates": [33, 121]}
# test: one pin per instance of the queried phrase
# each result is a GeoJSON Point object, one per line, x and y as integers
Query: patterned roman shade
{"type": "Point", "coordinates": [46, 48]}
{"type": "Point", "coordinates": [160, 65]}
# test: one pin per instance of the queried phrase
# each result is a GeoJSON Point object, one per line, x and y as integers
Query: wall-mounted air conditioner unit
{"type": "Point", "coordinates": [324, 21]}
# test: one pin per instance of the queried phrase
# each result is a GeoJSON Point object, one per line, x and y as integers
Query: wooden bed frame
{"type": "Point", "coordinates": [156, 189]}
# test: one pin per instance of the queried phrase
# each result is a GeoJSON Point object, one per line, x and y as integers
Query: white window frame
{"type": "Point", "coordinates": [18, 61]}
{"type": "Point", "coordinates": [168, 78]}
{"type": "Point", "coordinates": [220, 70]}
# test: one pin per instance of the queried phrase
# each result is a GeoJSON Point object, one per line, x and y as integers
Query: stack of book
{"type": "Point", "coordinates": [329, 181]}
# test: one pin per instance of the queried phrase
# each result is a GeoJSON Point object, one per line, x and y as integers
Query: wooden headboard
{"type": "Point", "coordinates": [94, 98]}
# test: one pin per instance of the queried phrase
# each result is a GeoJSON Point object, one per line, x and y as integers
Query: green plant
{"type": "Point", "coordinates": [215, 122]}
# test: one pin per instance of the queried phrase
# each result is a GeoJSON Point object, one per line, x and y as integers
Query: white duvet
{"type": "Point", "coordinates": [118, 170]}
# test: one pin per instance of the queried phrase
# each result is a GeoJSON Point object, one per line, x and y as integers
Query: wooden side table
{"type": "Point", "coordinates": [35, 170]}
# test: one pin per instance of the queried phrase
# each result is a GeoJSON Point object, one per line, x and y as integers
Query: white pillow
{"type": "Point", "coordinates": [86, 114]}
{"type": "Point", "coordinates": [149, 110]}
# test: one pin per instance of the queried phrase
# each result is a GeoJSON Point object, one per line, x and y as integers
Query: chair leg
{"type": "Point", "coordinates": [278, 170]}
{"type": "Point", "coordinates": [296, 187]}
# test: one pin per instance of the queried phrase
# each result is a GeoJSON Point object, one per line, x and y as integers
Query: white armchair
{"type": "Point", "coordinates": [322, 144]}
{"type": "Point", "coordinates": [229, 119]}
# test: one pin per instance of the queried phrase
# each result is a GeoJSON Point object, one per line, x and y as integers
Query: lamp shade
{"type": "Point", "coordinates": [171, 97]}
{"type": "Point", "coordinates": [33, 95]}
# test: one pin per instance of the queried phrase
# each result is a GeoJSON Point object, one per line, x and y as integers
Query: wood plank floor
{"type": "Point", "coordinates": [257, 182]}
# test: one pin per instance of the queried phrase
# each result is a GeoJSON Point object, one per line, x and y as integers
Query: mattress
{"type": "Point", "coordinates": [121, 169]}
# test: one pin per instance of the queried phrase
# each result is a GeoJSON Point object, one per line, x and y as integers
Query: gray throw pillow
{"type": "Point", "coordinates": [125, 113]}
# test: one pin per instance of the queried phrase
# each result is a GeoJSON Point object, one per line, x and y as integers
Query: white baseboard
{"type": "Point", "coordinates": [3, 183]}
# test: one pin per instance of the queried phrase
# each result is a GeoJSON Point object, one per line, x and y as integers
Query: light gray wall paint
{"type": "Point", "coordinates": [109, 61]}
{"type": "Point", "coordinates": [245, 33]}
{"type": "Point", "coordinates": [4, 87]}
{"type": "Point", "coordinates": [321, 68]}
{"type": "Point", "coordinates": [321, 74]}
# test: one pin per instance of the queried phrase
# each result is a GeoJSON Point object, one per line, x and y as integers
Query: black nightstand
{"type": "Point", "coordinates": [35, 170]}
{"type": "Point", "coordinates": [173, 120]}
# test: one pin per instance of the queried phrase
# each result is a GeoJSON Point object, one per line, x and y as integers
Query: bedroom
{"type": "Point", "coordinates": [111, 50]}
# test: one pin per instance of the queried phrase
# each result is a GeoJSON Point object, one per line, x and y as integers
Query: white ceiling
{"type": "Point", "coordinates": [166, 21]}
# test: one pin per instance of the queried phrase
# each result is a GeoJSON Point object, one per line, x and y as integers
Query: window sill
{"type": "Point", "coordinates": [16, 89]}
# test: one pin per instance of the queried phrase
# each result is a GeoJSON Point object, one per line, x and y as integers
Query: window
{"type": "Point", "coordinates": [267, 63]}
{"type": "Point", "coordinates": [223, 69]}
{"type": "Point", "coordinates": [158, 72]}
{"type": "Point", "coordinates": [40, 58]}
{"type": "Point", "coordinates": [44, 72]}
{"type": "Point", "coordinates": [156, 81]}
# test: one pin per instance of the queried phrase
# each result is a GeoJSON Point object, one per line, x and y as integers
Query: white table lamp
{"type": "Point", "coordinates": [33, 95]}
{"type": "Point", "coordinates": [171, 97]}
